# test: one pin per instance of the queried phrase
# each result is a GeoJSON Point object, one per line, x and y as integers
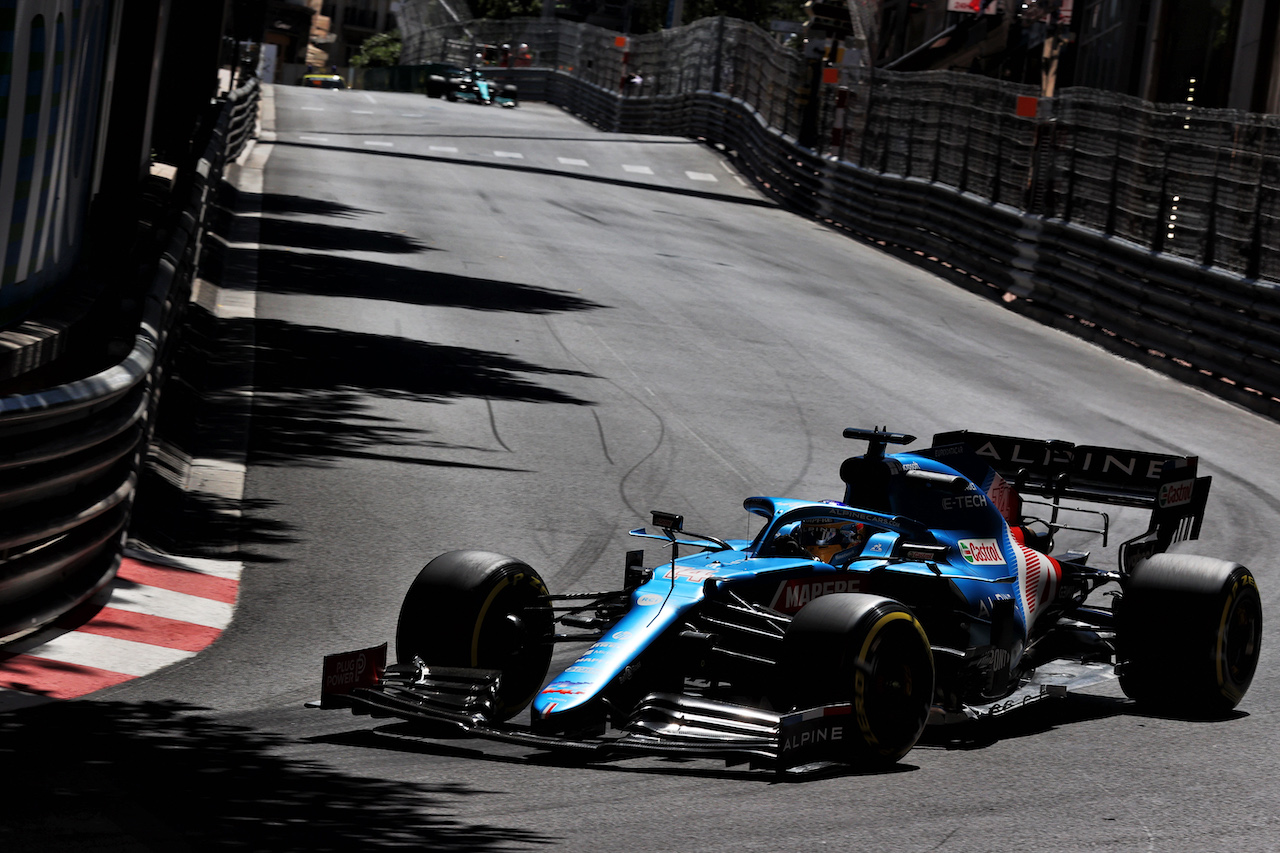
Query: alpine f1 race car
{"type": "Point", "coordinates": [930, 594]}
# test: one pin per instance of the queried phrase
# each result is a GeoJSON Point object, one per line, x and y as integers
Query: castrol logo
{"type": "Point", "coordinates": [1176, 494]}
{"type": "Point", "coordinates": [981, 552]}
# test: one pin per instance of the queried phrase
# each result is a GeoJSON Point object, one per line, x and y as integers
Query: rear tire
{"type": "Point", "coordinates": [481, 610]}
{"type": "Point", "coordinates": [1188, 634]}
{"type": "Point", "coordinates": [872, 653]}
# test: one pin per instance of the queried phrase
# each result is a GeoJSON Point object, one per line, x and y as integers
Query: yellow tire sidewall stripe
{"type": "Point", "coordinates": [1227, 687]}
{"type": "Point", "coordinates": [860, 678]}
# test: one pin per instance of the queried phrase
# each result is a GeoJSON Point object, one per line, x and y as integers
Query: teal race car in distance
{"type": "Point", "coordinates": [454, 83]}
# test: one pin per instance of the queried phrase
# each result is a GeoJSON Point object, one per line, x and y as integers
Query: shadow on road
{"type": "Point", "coordinates": [404, 737]}
{"type": "Point", "coordinates": [327, 275]}
{"type": "Point", "coordinates": [277, 204]}
{"type": "Point", "coordinates": [1070, 710]}
{"type": "Point", "coordinates": [311, 381]}
{"type": "Point", "coordinates": [321, 235]}
{"type": "Point", "coordinates": [163, 776]}
{"type": "Point", "coordinates": [293, 357]}
{"type": "Point", "coordinates": [749, 201]}
{"type": "Point", "coordinates": [292, 394]}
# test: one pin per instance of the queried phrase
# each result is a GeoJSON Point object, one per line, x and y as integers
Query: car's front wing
{"type": "Point", "coordinates": [463, 700]}
{"type": "Point", "coordinates": [663, 724]}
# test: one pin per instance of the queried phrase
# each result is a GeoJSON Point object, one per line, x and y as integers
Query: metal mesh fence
{"type": "Point", "coordinates": [1202, 185]}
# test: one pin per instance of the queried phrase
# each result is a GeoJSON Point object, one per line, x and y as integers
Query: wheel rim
{"type": "Point", "coordinates": [1239, 641]}
{"type": "Point", "coordinates": [508, 639]}
{"type": "Point", "coordinates": [893, 685]}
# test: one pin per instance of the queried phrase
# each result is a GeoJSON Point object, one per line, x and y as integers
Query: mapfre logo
{"type": "Point", "coordinates": [981, 552]}
{"type": "Point", "coordinates": [794, 594]}
{"type": "Point", "coordinates": [1176, 494]}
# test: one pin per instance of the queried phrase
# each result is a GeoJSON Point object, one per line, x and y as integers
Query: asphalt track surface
{"type": "Point", "coordinates": [503, 329]}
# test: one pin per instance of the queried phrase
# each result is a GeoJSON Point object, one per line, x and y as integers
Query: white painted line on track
{"type": "Point", "coordinates": [443, 149]}
{"type": "Point", "coordinates": [637, 170]}
{"type": "Point", "coordinates": [154, 601]}
{"type": "Point", "coordinates": [227, 569]}
{"type": "Point", "coordinates": [511, 155]}
{"type": "Point", "coordinates": [377, 144]}
{"type": "Point", "coordinates": [572, 161]}
{"type": "Point", "coordinates": [412, 115]}
{"type": "Point", "coordinates": [362, 112]}
{"type": "Point", "coordinates": [225, 303]}
{"type": "Point", "coordinates": [110, 653]}
{"type": "Point", "coordinates": [313, 138]}
{"type": "Point", "coordinates": [702, 176]}
{"type": "Point", "coordinates": [313, 109]}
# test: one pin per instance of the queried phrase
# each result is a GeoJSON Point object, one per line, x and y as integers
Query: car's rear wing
{"type": "Point", "coordinates": [1164, 483]}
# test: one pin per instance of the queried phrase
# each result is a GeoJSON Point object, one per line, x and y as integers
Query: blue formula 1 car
{"type": "Point", "coordinates": [928, 594]}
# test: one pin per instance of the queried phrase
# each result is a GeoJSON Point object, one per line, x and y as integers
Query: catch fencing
{"type": "Point", "coordinates": [1152, 229]}
{"type": "Point", "coordinates": [72, 453]}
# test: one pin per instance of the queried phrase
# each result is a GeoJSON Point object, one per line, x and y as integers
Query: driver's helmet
{"type": "Point", "coordinates": [823, 538]}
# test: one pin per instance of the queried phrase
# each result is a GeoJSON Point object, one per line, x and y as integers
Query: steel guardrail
{"type": "Point", "coordinates": [72, 452]}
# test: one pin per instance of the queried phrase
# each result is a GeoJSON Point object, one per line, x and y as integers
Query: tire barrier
{"type": "Point", "coordinates": [72, 452]}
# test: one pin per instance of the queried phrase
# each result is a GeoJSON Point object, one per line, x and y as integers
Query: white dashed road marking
{"type": "Point", "coordinates": [313, 138]}
{"type": "Point", "coordinates": [630, 168]}
{"type": "Point", "coordinates": [376, 144]}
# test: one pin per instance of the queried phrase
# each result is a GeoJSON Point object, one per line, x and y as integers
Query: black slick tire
{"type": "Point", "coordinates": [480, 610]}
{"type": "Point", "coordinates": [868, 651]}
{"type": "Point", "coordinates": [1188, 634]}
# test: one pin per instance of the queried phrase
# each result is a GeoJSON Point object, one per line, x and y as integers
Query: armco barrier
{"type": "Point", "coordinates": [71, 453]}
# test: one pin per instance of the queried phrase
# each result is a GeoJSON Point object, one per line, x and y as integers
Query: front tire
{"type": "Point", "coordinates": [872, 653]}
{"type": "Point", "coordinates": [481, 610]}
{"type": "Point", "coordinates": [1188, 634]}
